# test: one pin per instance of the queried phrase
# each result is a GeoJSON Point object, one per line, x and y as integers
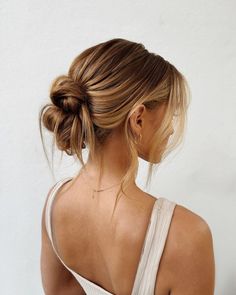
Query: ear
{"type": "Point", "coordinates": [137, 119]}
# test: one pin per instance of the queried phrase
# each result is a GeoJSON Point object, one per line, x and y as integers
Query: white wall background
{"type": "Point", "coordinates": [39, 40]}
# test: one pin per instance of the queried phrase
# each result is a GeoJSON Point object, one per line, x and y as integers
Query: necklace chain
{"type": "Point", "coordinates": [99, 190]}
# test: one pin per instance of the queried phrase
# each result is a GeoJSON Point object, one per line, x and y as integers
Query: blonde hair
{"type": "Point", "coordinates": [103, 86]}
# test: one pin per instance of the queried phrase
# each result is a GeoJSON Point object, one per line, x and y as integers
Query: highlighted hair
{"type": "Point", "coordinates": [103, 86]}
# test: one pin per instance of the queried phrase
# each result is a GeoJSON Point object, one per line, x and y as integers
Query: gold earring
{"type": "Point", "coordinates": [139, 139]}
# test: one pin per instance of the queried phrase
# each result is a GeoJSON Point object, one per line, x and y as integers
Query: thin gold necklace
{"type": "Point", "coordinates": [98, 190]}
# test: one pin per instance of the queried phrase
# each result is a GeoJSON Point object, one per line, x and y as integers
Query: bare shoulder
{"type": "Point", "coordinates": [189, 254]}
{"type": "Point", "coordinates": [188, 224]}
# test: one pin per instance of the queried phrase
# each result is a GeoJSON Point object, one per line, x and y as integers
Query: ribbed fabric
{"type": "Point", "coordinates": [152, 250]}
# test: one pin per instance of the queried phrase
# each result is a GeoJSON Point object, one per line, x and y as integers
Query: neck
{"type": "Point", "coordinates": [112, 161]}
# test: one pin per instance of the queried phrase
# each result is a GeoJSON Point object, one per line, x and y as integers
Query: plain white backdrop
{"type": "Point", "coordinates": [39, 40]}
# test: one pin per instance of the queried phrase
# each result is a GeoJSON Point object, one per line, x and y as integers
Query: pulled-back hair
{"type": "Point", "coordinates": [99, 93]}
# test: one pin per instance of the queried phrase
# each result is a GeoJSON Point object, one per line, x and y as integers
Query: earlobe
{"type": "Point", "coordinates": [136, 122]}
{"type": "Point", "coordinates": [138, 138]}
{"type": "Point", "coordinates": [133, 124]}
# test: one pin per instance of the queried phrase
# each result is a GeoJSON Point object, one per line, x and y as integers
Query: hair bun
{"type": "Point", "coordinates": [67, 94]}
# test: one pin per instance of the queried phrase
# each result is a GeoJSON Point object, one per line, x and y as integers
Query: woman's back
{"type": "Point", "coordinates": [108, 255]}
{"type": "Point", "coordinates": [104, 256]}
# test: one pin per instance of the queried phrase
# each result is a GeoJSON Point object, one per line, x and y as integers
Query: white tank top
{"type": "Point", "coordinates": [152, 249]}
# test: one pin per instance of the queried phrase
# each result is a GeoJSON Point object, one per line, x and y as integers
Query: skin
{"type": "Point", "coordinates": [187, 264]}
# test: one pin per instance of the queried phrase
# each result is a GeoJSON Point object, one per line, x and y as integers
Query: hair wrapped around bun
{"type": "Point", "coordinates": [68, 95]}
{"type": "Point", "coordinates": [67, 116]}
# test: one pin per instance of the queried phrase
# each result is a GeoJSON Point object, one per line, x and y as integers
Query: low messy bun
{"type": "Point", "coordinates": [67, 113]}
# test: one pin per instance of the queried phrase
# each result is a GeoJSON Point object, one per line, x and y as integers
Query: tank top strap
{"type": "Point", "coordinates": [48, 217]}
{"type": "Point", "coordinates": [49, 205]}
{"type": "Point", "coordinates": [154, 245]}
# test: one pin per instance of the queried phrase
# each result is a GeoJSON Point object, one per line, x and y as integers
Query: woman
{"type": "Point", "coordinates": [102, 234]}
